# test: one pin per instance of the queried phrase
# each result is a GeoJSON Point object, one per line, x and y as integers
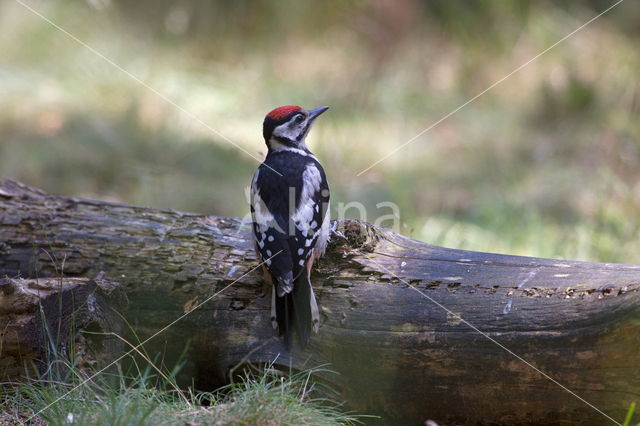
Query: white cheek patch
{"type": "Point", "coordinates": [289, 130]}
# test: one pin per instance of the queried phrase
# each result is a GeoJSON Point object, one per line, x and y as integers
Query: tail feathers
{"type": "Point", "coordinates": [297, 310]}
{"type": "Point", "coordinates": [302, 309]}
{"type": "Point", "coordinates": [284, 317]}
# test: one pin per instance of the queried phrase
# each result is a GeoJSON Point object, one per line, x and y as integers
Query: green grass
{"type": "Point", "coordinates": [629, 416]}
{"type": "Point", "coordinates": [118, 400]}
{"type": "Point", "coordinates": [271, 398]}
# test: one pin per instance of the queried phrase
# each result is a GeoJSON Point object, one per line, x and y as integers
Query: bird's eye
{"type": "Point", "coordinates": [299, 118]}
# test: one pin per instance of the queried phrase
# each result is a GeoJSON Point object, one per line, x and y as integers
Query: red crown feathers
{"type": "Point", "coordinates": [281, 112]}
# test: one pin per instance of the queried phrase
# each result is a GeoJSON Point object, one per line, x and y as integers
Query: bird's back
{"type": "Point", "coordinates": [296, 200]}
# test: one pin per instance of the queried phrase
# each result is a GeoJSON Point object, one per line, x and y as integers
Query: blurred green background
{"type": "Point", "coordinates": [547, 163]}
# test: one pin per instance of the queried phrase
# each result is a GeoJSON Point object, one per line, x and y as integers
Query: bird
{"type": "Point", "coordinates": [291, 220]}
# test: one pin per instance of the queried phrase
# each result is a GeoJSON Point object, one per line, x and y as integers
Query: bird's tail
{"type": "Point", "coordinates": [297, 312]}
{"type": "Point", "coordinates": [305, 313]}
{"type": "Point", "coordinates": [281, 316]}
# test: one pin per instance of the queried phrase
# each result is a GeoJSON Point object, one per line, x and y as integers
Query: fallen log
{"type": "Point", "coordinates": [414, 331]}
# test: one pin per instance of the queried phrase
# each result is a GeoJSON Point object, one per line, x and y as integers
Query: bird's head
{"type": "Point", "coordinates": [287, 126]}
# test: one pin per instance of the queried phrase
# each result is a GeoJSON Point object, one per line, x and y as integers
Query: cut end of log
{"type": "Point", "coordinates": [43, 318]}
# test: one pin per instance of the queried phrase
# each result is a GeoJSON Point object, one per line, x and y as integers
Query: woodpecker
{"type": "Point", "coordinates": [290, 212]}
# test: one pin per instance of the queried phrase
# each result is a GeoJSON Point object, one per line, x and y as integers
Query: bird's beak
{"type": "Point", "coordinates": [314, 113]}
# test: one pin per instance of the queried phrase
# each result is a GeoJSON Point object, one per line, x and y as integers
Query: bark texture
{"type": "Point", "coordinates": [43, 320]}
{"type": "Point", "coordinates": [413, 330]}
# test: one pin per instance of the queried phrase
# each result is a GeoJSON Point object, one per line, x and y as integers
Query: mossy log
{"type": "Point", "coordinates": [411, 329]}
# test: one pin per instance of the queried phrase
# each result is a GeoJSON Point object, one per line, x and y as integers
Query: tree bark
{"type": "Point", "coordinates": [43, 320]}
{"type": "Point", "coordinates": [414, 331]}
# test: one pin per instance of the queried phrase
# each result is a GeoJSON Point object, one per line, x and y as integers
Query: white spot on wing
{"type": "Point", "coordinates": [300, 251]}
{"type": "Point", "coordinates": [311, 181]}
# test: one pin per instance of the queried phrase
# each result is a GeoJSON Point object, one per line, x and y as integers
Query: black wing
{"type": "Point", "coordinates": [269, 233]}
